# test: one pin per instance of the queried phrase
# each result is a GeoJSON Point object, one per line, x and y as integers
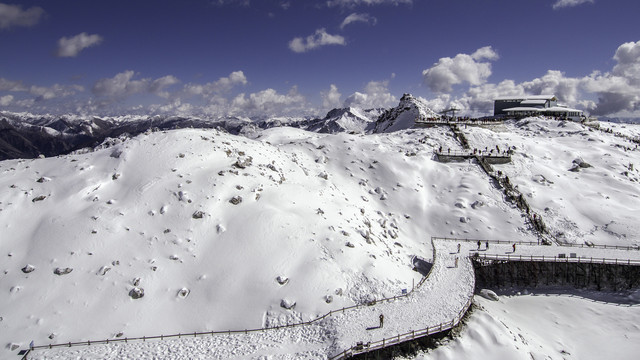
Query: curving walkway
{"type": "Point", "coordinates": [438, 304]}
{"type": "Point", "coordinates": [441, 299]}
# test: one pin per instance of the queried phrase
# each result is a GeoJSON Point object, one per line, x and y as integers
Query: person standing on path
{"type": "Point", "coordinates": [514, 247]}
{"type": "Point", "coordinates": [456, 261]}
{"type": "Point", "coordinates": [487, 245]}
{"type": "Point", "coordinates": [381, 320]}
{"type": "Point", "coordinates": [479, 243]}
{"type": "Point", "coordinates": [458, 248]}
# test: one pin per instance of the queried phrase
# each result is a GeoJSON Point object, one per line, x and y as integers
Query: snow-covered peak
{"type": "Point", "coordinates": [404, 115]}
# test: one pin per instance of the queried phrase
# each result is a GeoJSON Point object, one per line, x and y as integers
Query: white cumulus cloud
{"type": "Point", "coordinates": [9, 85]}
{"type": "Point", "coordinates": [6, 100]}
{"type": "Point", "coordinates": [355, 17]}
{"type": "Point", "coordinates": [13, 15]}
{"type": "Point", "coordinates": [375, 95]}
{"type": "Point", "coordinates": [71, 46]}
{"type": "Point", "coordinates": [569, 3]}
{"type": "Point", "coordinates": [212, 89]}
{"type": "Point", "coordinates": [353, 3]}
{"type": "Point", "coordinates": [158, 86]}
{"type": "Point", "coordinates": [331, 98]}
{"type": "Point", "coordinates": [462, 68]}
{"type": "Point", "coordinates": [123, 84]}
{"type": "Point", "coordinates": [319, 38]}
{"type": "Point", "coordinates": [54, 91]}
{"type": "Point", "coordinates": [268, 102]}
{"type": "Point", "coordinates": [612, 93]}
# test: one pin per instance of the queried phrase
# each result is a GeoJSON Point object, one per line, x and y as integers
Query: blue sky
{"type": "Point", "coordinates": [287, 57]}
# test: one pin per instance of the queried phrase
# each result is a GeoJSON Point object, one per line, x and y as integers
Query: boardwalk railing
{"type": "Point", "coordinates": [483, 241]}
{"type": "Point", "coordinates": [470, 154]}
{"type": "Point", "coordinates": [592, 246]}
{"type": "Point", "coordinates": [361, 348]}
{"type": "Point", "coordinates": [543, 258]}
{"type": "Point", "coordinates": [461, 122]}
{"type": "Point", "coordinates": [232, 332]}
{"type": "Point", "coordinates": [408, 336]}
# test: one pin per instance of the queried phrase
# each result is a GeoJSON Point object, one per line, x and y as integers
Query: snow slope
{"type": "Point", "coordinates": [598, 203]}
{"type": "Point", "coordinates": [404, 115]}
{"type": "Point", "coordinates": [545, 324]}
{"type": "Point", "coordinates": [338, 215]}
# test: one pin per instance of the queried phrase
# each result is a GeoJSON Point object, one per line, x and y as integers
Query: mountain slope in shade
{"type": "Point", "coordinates": [404, 115]}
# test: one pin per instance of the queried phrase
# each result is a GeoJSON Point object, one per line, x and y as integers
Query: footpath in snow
{"type": "Point", "coordinates": [446, 290]}
{"type": "Point", "coordinates": [439, 300]}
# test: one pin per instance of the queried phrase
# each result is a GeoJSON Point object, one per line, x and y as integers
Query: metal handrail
{"type": "Point", "coordinates": [543, 258]}
{"type": "Point", "coordinates": [593, 246]}
{"type": "Point", "coordinates": [229, 332]}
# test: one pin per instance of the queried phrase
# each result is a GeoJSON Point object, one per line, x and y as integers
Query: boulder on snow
{"type": "Point", "coordinates": [27, 269]}
{"type": "Point", "coordinates": [287, 304]}
{"type": "Point", "coordinates": [476, 204]}
{"type": "Point", "coordinates": [183, 293]}
{"type": "Point", "coordinates": [243, 162]}
{"type": "Point", "coordinates": [62, 271]}
{"type": "Point", "coordinates": [236, 200]}
{"type": "Point", "coordinates": [136, 293]}
{"type": "Point", "coordinates": [38, 198]}
{"type": "Point", "coordinates": [282, 280]}
{"type": "Point", "coordinates": [489, 295]}
{"type": "Point", "coordinates": [578, 164]}
{"type": "Point", "coordinates": [198, 214]}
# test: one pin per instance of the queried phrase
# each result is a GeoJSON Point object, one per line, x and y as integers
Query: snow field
{"type": "Point", "coordinates": [338, 215]}
{"type": "Point", "coordinates": [543, 324]}
{"type": "Point", "coordinates": [594, 204]}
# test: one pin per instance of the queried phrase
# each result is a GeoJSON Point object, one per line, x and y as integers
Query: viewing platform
{"type": "Point", "coordinates": [458, 156]}
{"type": "Point", "coordinates": [460, 121]}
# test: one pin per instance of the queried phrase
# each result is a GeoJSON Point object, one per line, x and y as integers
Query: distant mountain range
{"type": "Point", "coordinates": [24, 135]}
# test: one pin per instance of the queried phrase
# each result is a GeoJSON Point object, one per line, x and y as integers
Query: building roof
{"type": "Point", "coordinates": [525, 108]}
{"type": "Point", "coordinates": [554, 109]}
{"type": "Point", "coordinates": [534, 102]}
{"type": "Point", "coordinates": [528, 97]}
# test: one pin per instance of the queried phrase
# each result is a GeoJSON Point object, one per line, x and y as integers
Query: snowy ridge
{"type": "Point", "coordinates": [404, 115]}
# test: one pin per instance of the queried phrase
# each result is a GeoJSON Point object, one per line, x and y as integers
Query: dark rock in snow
{"type": "Point", "coordinates": [183, 293]}
{"type": "Point", "coordinates": [198, 215]}
{"type": "Point", "coordinates": [61, 271]}
{"type": "Point", "coordinates": [136, 293]}
{"type": "Point", "coordinates": [103, 270]}
{"type": "Point", "coordinates": [287, 304]}
{"type": "Point", "coordinates": [27, 269]}
{"type": "Point", "coordinates": [38, 198]}
{"type": "Point", "coordinates": [282, 280]}
{"type": "Point", "coordinates": [236, 200]}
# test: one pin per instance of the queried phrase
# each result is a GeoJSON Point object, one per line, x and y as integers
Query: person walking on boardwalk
{"type": "Point", "coordinates": [479, 243]}
{"type": "Point", "coordinates": [514, 247]}
{"type": "Point", "coordinates": [487, 245]}
{"type": "Point", "coordinates": [381, 320]}
{"type": "Point", "coordinates": [458, 248]}
{"type": "Point", "coordinates": [456, 261]}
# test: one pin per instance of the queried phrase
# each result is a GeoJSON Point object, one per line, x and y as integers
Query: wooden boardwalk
{"type": "Point", "coordinates": [437, 305]}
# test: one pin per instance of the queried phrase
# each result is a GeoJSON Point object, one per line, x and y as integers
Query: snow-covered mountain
{"type": "Point", "coordinates": [219, 230]}
{"type": "Point", "coordinates": [24, 135]}
{"type": "Point", "coordinates": [404, 115]}
{"type": "Point", "coordinates": [350, 120]}
{"type": "Point", "coordinates": [28, 136]}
